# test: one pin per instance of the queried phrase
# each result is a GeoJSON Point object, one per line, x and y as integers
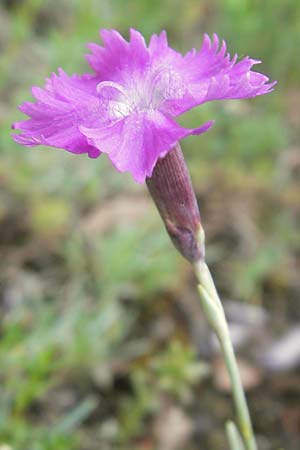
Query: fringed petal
{"type": "Point", "coordinates": [135, 143]}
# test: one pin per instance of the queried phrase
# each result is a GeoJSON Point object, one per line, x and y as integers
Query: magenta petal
{"type": "Point", "coordinates": [135, 143]}
{"type": "Point", "coordinates": [158, 45]}
{"type": "Point", "coordinates": [105, 60]}
{"type": "Point", "coordinates": [206, 75]}
{"type": "Point", "coordinates": [118, 58]}
{"type": "Point", "coordinates": [214, 75]}
{"type": "Point", "coordinates": [61, 106]}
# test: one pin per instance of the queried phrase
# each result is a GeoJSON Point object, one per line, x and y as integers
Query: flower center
{"type": "Point", "coordinates": [115, 98]}
{"type": "Point", "coordinates": [139, 95]}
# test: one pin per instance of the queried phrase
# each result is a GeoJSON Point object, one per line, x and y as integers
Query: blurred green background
{"type": "Point", "coordinates": [102, 341]}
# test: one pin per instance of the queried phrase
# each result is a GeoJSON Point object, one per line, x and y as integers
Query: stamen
{"type": "Point", "coordinates": [113, 85]}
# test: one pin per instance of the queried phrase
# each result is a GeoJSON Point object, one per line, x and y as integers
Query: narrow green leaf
{"type": "Point", "coordinates": [234, 437]}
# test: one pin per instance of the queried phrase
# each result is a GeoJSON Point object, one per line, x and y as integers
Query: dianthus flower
{"type": "Point", "coordinates": [127, 107]}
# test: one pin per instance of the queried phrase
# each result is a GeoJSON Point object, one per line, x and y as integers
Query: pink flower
{"type": "Point", "coordinates": [127, 108]}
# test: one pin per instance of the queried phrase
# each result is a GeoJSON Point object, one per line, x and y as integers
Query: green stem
{"type": "Point", "coordinates": [214, 312]}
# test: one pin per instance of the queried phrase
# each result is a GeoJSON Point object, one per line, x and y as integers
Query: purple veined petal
{"type": "Point", "coordinates": [61, 107]}
{"type": "Point", "coordinates": [64, 136]}
{"type": "Point", "coordinates": [69, 141]}
{"type": "Point", "coordinates": [27, 141]}
{"type": "Point", "coordinates": [74, 91]}
{"type": "Point", "coordinates": [38, 110]}
{"type": "Point", "coordinates": [118, 59]}
{"type": "Point", "coordinates": [139, 50]}
{"type": "Point", "coordinates": [210, 59]}
{"type": "Point", "coordinates": [222, 76]}
{"type": "Point", "coordinates": [209, 74]}
{"type": "Point", "coordinates": [105, 60]}
{"type": "Point", "coordinates": [160, 52]}
{"type": "Point", "coordinates": [158, 44]}
{"type": "Point", "coordinates": [180, 79]}
{"type": "Point", "coordinates": [135, 143]}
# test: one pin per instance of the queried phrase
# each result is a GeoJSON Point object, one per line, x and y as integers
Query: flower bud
{"type": "Point", "coordinates": [172, 191]}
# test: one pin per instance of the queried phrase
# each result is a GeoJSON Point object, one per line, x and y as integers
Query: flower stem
{"type": "Point", "coordinates": [215, 315]}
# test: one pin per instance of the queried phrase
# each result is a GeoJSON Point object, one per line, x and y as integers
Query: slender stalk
{"type": "Point", "coordinates": [243, 415]}
{"type": "Point", "coordinates": [171, 189]}
{"type": "Point", "coordinates": [214, 312]}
